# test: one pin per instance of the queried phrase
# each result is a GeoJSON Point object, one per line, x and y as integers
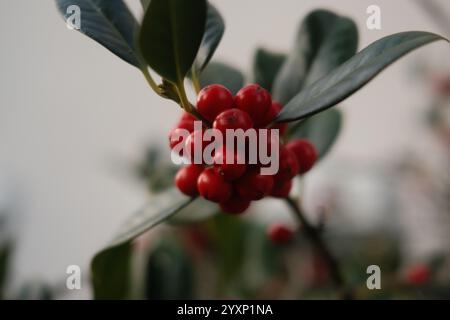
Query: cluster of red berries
{"type": "Point", "coordinates": [234, 186]}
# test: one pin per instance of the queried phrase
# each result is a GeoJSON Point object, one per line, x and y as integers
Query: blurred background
{"type": "Point", "coordinates": [75, 121]}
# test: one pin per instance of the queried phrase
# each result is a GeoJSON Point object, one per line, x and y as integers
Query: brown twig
{"type": "Point", "coordinates": [315, 237]}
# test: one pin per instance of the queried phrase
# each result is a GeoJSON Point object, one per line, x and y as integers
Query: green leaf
{"type": "Point", "coordinates": [322, 130]}
{"type": "Point", "coordinates": [353, 74]}
{"type": "Point", "coordinates": [223, 74]}
{"type": "Point", "coordinates": [161, 207]}
{"type": "Point", "coordinates": [214, 30]}
{"type": "Point", "coordinates": [198, 211]}
{"type": "Point", "coordinates": [339, 45]}
{"type": "Point", "coordinates": [324, 41]}
{"type": "Point", "coordinates": [5, 253]}
{"type": "Point", "coordinates": [170, 36]}
{"type": "Point", "coordinates": [266, 65]}
{"type": "Point", "coordinates": [110, 23]}
{"type": "Point", "coordinates": [145, 4]}
{"type": "Point", "coordinates": [169, 272]}
{"type": "Point", "coordinates": [111, 276]}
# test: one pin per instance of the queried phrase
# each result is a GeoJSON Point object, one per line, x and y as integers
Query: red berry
{"type": "Point", "coordinates": [229, 171]}
{"type": "Point", "coordinates": [195, 144]}
{"type": "Point", "coordinates": [176, 137]}
{"type": "Point", "coordinates": [270, 144]}
{"type": "Point", "coordinates": [288, 164]}
{"type": "Point", "coordinates": [270, 115]}
{"type": "Point", "coordinates": [280, 234]}
{"type": "Point", "coordinates": [186, 116]}
{"type": "Point", "coordinates": [213, 187]}
{"type": "Point", "coordinates": [186, 179]}
{"type": "Point", "coordinates": [281, 188]}
{"type": "Point", "coordinates": [254, 100]}
{"type": "Point", "coordinates": [232, 119]}
{"type": "Point", "coordinates": [254, 186]}
{"type": "Point", "coordinates": [235, 205]}
{"type": "Point", "coordinates": [418, 274]}
{"type": "Point", "coordinates": [274, 111]}
{"type": "Point", "coordinates": [305, 153]}
{"type": "Point", "coordinates": [213, 100]}
{"type": "Point", "coordinates": [282, 127]}
{"type": "Point", "coordinates": [186, 124]}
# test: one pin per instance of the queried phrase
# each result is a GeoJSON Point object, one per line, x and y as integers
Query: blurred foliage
{"type": "Point", "coordinates": [157, 173]}
{"type": "Point", "coordinates": [115, 279]}
{"type": "Point", "coordinates": [35, 290]}
{"type": "Point", "coordinates": [5, 252]}
{"type": "Point", "coordinates": [169, 272]}
{"type": "Point", "coordinates": [224, 74]}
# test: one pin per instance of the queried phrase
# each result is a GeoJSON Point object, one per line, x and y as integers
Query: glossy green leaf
{"type": "Point", "coordinates": [223, 74]}
{"type": "Point", "coordinates": [169, 272]}
{"type": "Point", "coordinates": [111, 276]}
{"type": "Point", "coordinates": [214, 30]}
{"type": "Point", "coordinates": [324, 41]}
{"type": "Point", "coordinates": [171, 34]}
{"type": "Point", "coordinates": [198, 211]}
{"type": "Point", "coordinates": [266, 66]}
{"type": "Point", "coordinates": [322, 130]}
{"type": "Point", "coordinates": [161, 207]}
{"type": "Point", "coordinates": [354, 74]}
{"type": "Point", "coordinates": [109, 22]}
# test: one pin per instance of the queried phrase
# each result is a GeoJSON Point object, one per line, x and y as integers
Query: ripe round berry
{"type": "Point", "coordinates": [276, 108]}
{"type": "Point", "coordinates": [186, 179]}
{"type": "Point", "coordinates": [196, 144]}
{"type": "Point", "coordinates": [253, 185]}
{"type": "Point", "coordinates": [235, 205]}
{"type": "Point", "coordinates": [186, 124]}
{"type": "Point", "coordinates": [271, 114]}
{"type": "Point", "coordinates": [213, 187]}
{"type": "Point", "coordinates": [418, 274]}
{"type": "Point", "coordinates": [282, 127]}
{"type": "Point", "coordinates": [229, 171]}
{"type": "Point", "coordinates": [176, 137]}
{"type": "Point", "coordinates": [232, 119]}
{"type": "Point", "coordinates": [214, 99]}
{"type": "Point", "coordinates": [305, 152]}
{"type": "Point", "coordinates": [187, 116]}
{"type": "Point", "coordinates": [254, 100]}
{"type": "Point", "coordinates": [280, 234]}
{"type": "Point", "coordinates": [269, 142]}
{"type": "Point", "coordinates": [281, 188]}
{"type": "Point", "coordinates": [288, 164]}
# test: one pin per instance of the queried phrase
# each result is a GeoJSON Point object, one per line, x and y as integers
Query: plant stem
{"type": "Point", "coordinates": [185, 104]}
{"type": "Point", "coordinates": [196, 80]}
{"type": "Point", "coordinates": [150, 80]}
{"type": "Point", "coordinates": [316, 239]}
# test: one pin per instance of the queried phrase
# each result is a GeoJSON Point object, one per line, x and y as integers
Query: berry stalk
{"type": "Point", "coordinates": [316, 239]}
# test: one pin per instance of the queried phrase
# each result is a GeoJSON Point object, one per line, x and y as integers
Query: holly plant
{"type": "Point", "coordinates": [294, 94]}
